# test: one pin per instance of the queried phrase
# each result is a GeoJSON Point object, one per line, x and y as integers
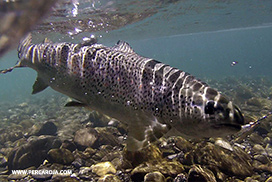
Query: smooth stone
{"type": "Point", "coordinates": [85, 137]}
{"type": "Point", "coordinates": [103, 151]}
{"type": "Point", "coordinates": [233, 163]}
{"type": "Point", "coordinates": [64, 179]}
{"type": "Point", "coordinates": [60, 156]}
{"type": "Point", "coordinates": [154, 177]}
{"type": "Point", "coordinates": [77, 163]}
{"type": "Point", "coordinates": [255, 138]}
{"type": "Point", "coordinates": [183, 144]}
{"type": "Point", "coordinates": [109, 178]}
{"type": "Point", "coordinates": [121, 163]}
{"type": "Point", "coordinates": [103, 168]}
{"type": "Point", "coordinates": [167, 168]}
{"type": "Point", "coordinates": [149, 153]}
{"type": "Point", "coordinates": [264, 167]}
{"type": "Point", "coordinates": [84, 170]}
{"type": "Point", "coordinates": [198, 173]}
{"type": "Point", "coordinates": [180, 178]}
{"type": "Point", "coordinates": [268, 149]}
{"type": "Point", "coordinates": [16, 176]}
{"type": "Point", "coordinates": [224, 144]}
{"type": "Point", "coordinates": [4, 171]}
{"type": "Point", "coordinates": [26, 123]}
{"type": "Point", "coordinates": [42, 176]}
{"type": "Point", "coordinates": [267, 140]}
{"type": "Point", "coordinates": [70, 145]}
{"type": "Point", "coordinates": [249, 179]}
{"type": "Point", "coordinates": [33, 153]}
{"type": "Point", "coordinates": [262, 158]}
{"type": "Point", "coordinates": [258, 149]}
{"type": "Point", "coordinates": [47, 128]}
{"type": "Point", "coordinates": [3, 161]}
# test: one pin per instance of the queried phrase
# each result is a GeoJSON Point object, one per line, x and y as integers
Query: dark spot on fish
{"type": "Point", "coordinates": [64, 53]}
{"type": "Point", "coordinates": [209, 108]}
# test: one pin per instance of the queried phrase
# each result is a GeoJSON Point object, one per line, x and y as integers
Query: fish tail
{"type": "Point", "coordinates": [11, 68]}
{"type": "Point", "coordinates": [24, 44]}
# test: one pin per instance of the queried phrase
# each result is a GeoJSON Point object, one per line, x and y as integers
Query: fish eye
{"type": "Point", "coordinates": [209, 108]}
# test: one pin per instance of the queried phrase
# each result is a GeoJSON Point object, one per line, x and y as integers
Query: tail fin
{"type": "Point", "coordinates": [24, 44]}
{"type": "Point", "coordinates": [10, 69]}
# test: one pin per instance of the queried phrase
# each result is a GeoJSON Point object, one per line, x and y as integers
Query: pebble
{"type": "Point", "coordinates": [3, 161]}
{"type": "Point", "coordinates": [103, 168]}
{"type": "Point", "coordinates": [258, 149]}
{"type": "Point", "coordinates": [48, 128]}
{"type": "Point", "coordinates": [269, 179]}
{"type": "Point", "coordinates": [198, 173]}
{"type": "Point", "coordinates": [16, 176]}
{"type": "Point", "coordinates": [109, 178]}
{"type": "Point", "coordinates": [249, 179]}
{"type": "Point", "coordinates": [224, 144]}
{"type": "Point", "coordinates": [154, 177]}
{"type": "Point", "coordinates": [167, 168]}
{"type": "Point", "coordinates": [60, 156]}
{"type": "Point", "coordinates": [180, 178]}
{"type": "Point", "coordinates": [42, 176]}
{"type": "Point", "coordinates": [262, 158]}
{"type": "Point", "coordinates": [33, 153]}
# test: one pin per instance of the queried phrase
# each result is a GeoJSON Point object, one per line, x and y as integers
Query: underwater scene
{"type": "Point", "coordinates": [100, 90]}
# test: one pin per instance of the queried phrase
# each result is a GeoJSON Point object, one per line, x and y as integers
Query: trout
{"type": "Point", "coordinates": [152, 98]}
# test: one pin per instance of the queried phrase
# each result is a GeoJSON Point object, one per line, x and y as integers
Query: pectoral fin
{"type": "Point", "coordinates": [39, 85]}
{"type": "Point", "coordinates": [139, 136]}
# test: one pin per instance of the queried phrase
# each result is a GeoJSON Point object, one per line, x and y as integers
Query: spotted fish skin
{"type": "Point", "coordinates": [151, 97]}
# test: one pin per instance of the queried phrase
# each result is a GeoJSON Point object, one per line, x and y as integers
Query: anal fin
{"type": "Point", "coordinates": [75, 104]}
{"type": "Point", "coordinates": [39, 85]}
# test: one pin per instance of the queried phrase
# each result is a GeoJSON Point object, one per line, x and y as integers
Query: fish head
{"type": "Point", "coordinates": [222, 118]}
{"type": "Point", "coordinates": [215, 117]}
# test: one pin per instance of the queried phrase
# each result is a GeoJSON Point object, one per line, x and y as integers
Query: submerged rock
{"type": "Point", "coordinates": [103, 168]}
{"type": "Point", "coordinates": [48, 128]}
{"type": "Point", "coordinates": [109, 178]}
{"type": "Point", "coordinates": [149, 153]}
{"type": "Point", "coordinates": [33, 153]}
{"type": "Point", "coordinates": [154, 177]}
{"type": "Point", "coordinates": [233, 163]}
{"type": "Point", "coordinates": [60, 156]}
{"type": "Point", "coordinates": [198, 173]}
{"type": "Point", "coordinates": [16, 176]}
{"type": "Point", "coordinates": [167, 168]}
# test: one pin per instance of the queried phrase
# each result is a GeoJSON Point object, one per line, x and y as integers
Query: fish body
{"type": "Point", "coordinates": [152, 98]}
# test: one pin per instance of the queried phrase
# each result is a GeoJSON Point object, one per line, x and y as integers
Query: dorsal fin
{"type": "Point", "coordinates": [46, 40]}
{"type": "Point", "coordinates": [123, 46]}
